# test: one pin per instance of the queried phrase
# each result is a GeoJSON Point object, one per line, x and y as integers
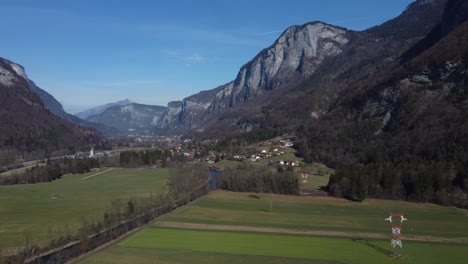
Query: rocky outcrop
{"type": "Point", "coordinates": [298, 51]}
{"type": "Point", "coordinates": [295, 55]}
{"type": "Point", "coordinates": [9, 73]}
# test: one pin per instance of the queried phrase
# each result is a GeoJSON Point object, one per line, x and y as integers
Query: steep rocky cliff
{"type": "Point", "coordinates": [295, 55]}
{"type": "Point", "coordinates": [305, 95]}
{"type": "Point", "coordinates": [302, 75]}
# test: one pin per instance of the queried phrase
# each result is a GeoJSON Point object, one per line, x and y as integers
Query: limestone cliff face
{"type": "Point", "coordinates": [295, 55]}
{"type": "Point", "coordinates": [298, 50]}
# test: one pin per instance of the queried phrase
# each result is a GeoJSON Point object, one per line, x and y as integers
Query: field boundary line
{"type": "Point", "coordinates": [196, 226]}
{"type": "Point", "coordinates": [99, 173]}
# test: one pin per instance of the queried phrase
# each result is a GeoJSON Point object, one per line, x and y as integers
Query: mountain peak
{"type": "Point", "coordinates": [426, 2]}
{"type": "Point", "coordinates": [311, 24]}
{"type": "Point", "coordinates": [310, 29]}
{"type": "Point", "coordinates": [294, 56]}
{"type": "Point", "coordinates": [99, 109]}
{"type": "Point", "coordinates": [423, 3]}
{"type": "Point", "coordinates": [10, 71]}
{"type": "Point", "coordinates": [124, 102]}
{"type": "Point", "coordinates": [19, 70]}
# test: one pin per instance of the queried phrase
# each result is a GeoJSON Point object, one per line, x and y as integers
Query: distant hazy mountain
{"type": "Point", "coordinates": [131, 119]}
{"type": "Point", "coordinates": [56, 108]}
{"type": "Point", "coordinates": [49, 101]}
{"type": "Point", "coordinates": [27, 125]}
{"type": "Point", "coordinates": [99, 109]}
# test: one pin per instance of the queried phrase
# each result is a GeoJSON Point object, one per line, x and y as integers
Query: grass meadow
{"type": "Point", "coordinates": [167, 245]}
{"type": "Point", "coordinates": [323, 213]}
{"type": "Point", "coordinates": [29, 210]}
{"type": "Point", "coordinates": [156, 244]}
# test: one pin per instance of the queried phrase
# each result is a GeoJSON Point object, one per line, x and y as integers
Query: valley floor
{"type": "Point", "coordinates": [235, 228]}
{"type": "Point", "coordinates": [305, 232]}
{"type": "Point", "coordinates": [43, 211]}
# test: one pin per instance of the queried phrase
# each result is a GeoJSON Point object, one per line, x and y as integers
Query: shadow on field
{"type": "Point", "coordinates": [369, 244]}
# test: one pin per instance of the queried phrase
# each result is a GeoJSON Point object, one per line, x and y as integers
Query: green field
{"type": "Point", "coordinates": [323, 213]}
{"type": "Point", "coordinates": [166, 245]}
{"type": "Point", "coordinates": [289, 154]}
{"type": "Point", "coordinates": [30, 210]}
{"type": "Point", "coordinates": [157, 244]}
{"type": "Point", "coordinates": [319, 175]}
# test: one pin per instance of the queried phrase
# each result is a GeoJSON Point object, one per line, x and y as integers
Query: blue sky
{"type": "Point", "coordinates": [90, 52]}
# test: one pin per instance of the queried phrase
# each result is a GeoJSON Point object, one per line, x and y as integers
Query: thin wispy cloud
{"type": "Point", "coordinates": [195, 58]}
{"type": "Point", "coordinates": [269, 32]}
{"type": "Point", "coordinates": [188, 58]}
{"type": "Point", "coordinates": [198, 35]}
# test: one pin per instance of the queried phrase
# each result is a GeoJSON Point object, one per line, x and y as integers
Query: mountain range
{"type": "Point", "coordinates": [300, 77]}
{"type": "Point", "coordinates": [129, 118]}
{"type": "Point", "coordinates": [307, 76]}
{"type": "Point", "coordinates": [99, 109]}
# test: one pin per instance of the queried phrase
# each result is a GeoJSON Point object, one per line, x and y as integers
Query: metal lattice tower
{"type": "Point", "coordinates": [396, 231]}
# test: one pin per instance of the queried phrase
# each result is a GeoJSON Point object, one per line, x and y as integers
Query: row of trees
{"type": "Point", "coordinates": [247, 178]}
{"type": "Point", "coordinates": [429, 183]}
{"type": "Point", "coordinates": [185, 179]}
{"type": "Point", "coordinates": [136, 158]}
{"type": "Point", "coordinates": [237, 143]}
{"type": "Point", "coordinates": [51, 171]}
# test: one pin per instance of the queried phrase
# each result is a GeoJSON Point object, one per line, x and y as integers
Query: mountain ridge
{"type": "Point", "coordinates": [131, 118]}
{"type": "Point", "coordinates": [290, 59]}
{"type": "Point", "coordinates": [101, 108]}
{"type": "Point", "coordinates": [30, 126]}
{"type": "Point", "coordinates": [291, 104]}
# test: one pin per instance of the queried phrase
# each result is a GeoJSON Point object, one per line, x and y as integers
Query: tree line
{"type": "Point", "coordinates": [421, 163]}
{"type": "Point", "coordinates": [236, 143]}
{"type": "Point", "coordinates": [435, 183]}
{"type": "Point", "coordinates": [248, 178]}
{"type": "Point", "coordinates": [137, 158]}
{"type": "Point", "coordinates": [52, 170]}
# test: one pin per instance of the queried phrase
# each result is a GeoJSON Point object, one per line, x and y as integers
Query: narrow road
{"type": "Point", "coordinates": [99, 173]}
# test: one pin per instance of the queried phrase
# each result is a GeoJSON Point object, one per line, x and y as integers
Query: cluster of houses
{"type": "Point", "coordinates": [293, 163]}
{"type": "Point", "coordinates": [266, 154]}
{"type": "Point", "coordinates": [269, 150]}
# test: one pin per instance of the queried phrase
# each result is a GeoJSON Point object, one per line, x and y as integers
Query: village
{"type": "Point", "coordinates": [273, 152]}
